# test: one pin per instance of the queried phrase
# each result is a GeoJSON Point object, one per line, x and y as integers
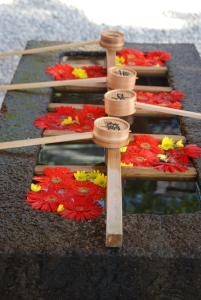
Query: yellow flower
{"type": "Point", "coordinates": [167, 143]}
{"type": "Point", "coordinates": [60, 208]}
{"type": "Point", "coordinates": [101, 180]}
{"type": "Point", "coordinates": [80, 176]}
{"type": "Point", "coordinates": [35, 187]}
{"type": "Point", "coordinates": [123, 149]}
{"type": "Point", "coordinates": [157, 65]}
{"type": "Point", "coordinates": [179, 144]}
{"type": "Point", "coordinates": [93, 174]}
{"type": "Point", "coordinates": [126, 165]}
{"type": "Point", "coordinates": [80, 73]}
{"type": "Point", "coordinates": [120, 60]}
{"type": "Point", "coordinates": [67, 121]}
{"type": "Point", "coordinates": [163, 157]}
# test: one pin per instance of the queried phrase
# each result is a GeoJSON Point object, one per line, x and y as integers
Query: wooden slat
{"type": "Point", "coordinates": [101, 87]}
{"type": "Point", "coordinates": [153, 89]}
{"type": "Point", "coordinates": [131, 172]}
{"type": "Point", "coordinates": [159, 136]}
{"type": "Point", "coordinates": [150, 71]}
{"type": "Point", "coordinates": [138, 113]}
{"type": "Point", "coordinates": [91, 61]}
{"type": "Point", "coordinates": [114, 227]}
{"type": "Point", "coordinates": [52, 106]}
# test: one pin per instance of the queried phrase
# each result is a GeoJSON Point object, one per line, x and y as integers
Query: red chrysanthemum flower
{"type": "Point", "coordinates": [65, 110]}
{"type": "Point", "coordinates": [61, 71]}
{"type": "Point", "coordinates": [65, 71]}
{"type": "Point", "coordinates": [45, 200]}
{"type": "Point", "coordinates": [157, 57]}
{"type": "Point", "coordinates": [55, 177]}
{"type": "Point", "coordinates": [182, 155]}
{"type": "Point", "coordinates": [82, 119]}
{"type": "Point", "coordinates": [177, 95]}
{"type": "Point", "coordinates": [140, 158]}
{"type": "Point", "coordinates": [133, 57]}
{"type": "Point", "coordinates": [177, 155]}
{"type": "Point", "coordinates": [81, 210]}
{"type": "Point", "coordinates": [49, 121]}
{"type": "Point", "coordinates": [87, 190]}
{"type": "Point", "coordinates": [171, 167]}
{"type": "Point", "coordinates": [95, 71]}
{"type": "Point", "coordinates": [167, 99]}
{"type": "Point", "coordinates": [146, 142]}
{"type": "Point", "coordinates": [192, 151]}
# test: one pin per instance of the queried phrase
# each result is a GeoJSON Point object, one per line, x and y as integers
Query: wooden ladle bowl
{"type": "Point", "coordinates": [121, 77]}
{"type": "Point", "coordinates": [110, 132]}
{"type": "Point", "coordinates": [120, 103]}
{"type": "Point", "coordinates": [112, 40]}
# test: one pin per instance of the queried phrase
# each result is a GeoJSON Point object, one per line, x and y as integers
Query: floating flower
{"type": "Point", "coordinates": [91, 176]}
{"type": "Point", "coordinates": [35, 187]}
{"type": "Point", "coordinates": [61, 71]}
{"type": "Point", "coordinates": [120, 60]}
{"type": "Point", "coordinates": [60, 192]}
{"type": "Point", "coordinates": [67, 121]}
{"type": "Point", "coordinates": [177, 155]}
{"type": "Point", "coordinates": [179, 144]}
{"type": "Point", "coordinates": [135, 57]}
{"type": "Point", "coordinates": [87, 190]}
{"type": "Point", "coordinates": [95, 71]}
{"type": "Point", "coordinates": [60, 208]}
{"type": "Point", "coordinates": [56, 177]}
{"type": "Point", "coordinates": [132, 57]}
{"type": "Point", "coordinates": [66, 71]}
{"type": "Point", "coordinates": [101, 180]}
{"type": "Point", "coordinates": [167, 99]}
{"type": "Point", "coordinates": [169, 167]}
{"type": "Point", "coordinates": [81, 210]}
{"type": "Point", "coordinates": [157, 58]}
{"type": "Point", "coordinates": [192, 151]}
{"type": "Point", "coordinates": [47, 201]}
{"type": "Point", "coordinates": [123, 149]}
{"type": "Point", "coordinates": [78, 120]}
{"type": "Point", "coordinates": [126, 165]}
{"type": "Point", "coordinates": [140, 158]}
{"type": "Point", "coordinates": [162, 157]}
{"type": "Point", "coordinates": [146, 142]}
{"type": "Point", "coordinates": [80, 175]}
{"type": "Point", "coordinates": [79, 73]}
{"type": "Point", "coordinates": [167, 143]}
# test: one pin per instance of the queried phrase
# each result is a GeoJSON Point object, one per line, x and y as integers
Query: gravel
{"type": "Point", "coordinates": [25, 20]}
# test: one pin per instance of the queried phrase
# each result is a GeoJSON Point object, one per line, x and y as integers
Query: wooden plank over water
{"type": "Point", "coordinates": [144, 173]}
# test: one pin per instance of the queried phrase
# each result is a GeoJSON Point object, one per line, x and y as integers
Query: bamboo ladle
{"type": "Point", "coordinates": [122, 102]}
{"type": "Point", "coordinates": [112, 41]}
{"type": "Point", "coordinates": [48, 48]}
{"type": "Point", "coordinates": [101, 135]}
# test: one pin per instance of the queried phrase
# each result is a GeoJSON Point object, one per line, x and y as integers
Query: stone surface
{"type": "Point", "coordinates": [43, 256]}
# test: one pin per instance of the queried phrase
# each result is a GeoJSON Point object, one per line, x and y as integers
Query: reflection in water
{"type": "Point", "coordinates": [71, 154]}
{"type": "Point", "coordinates": [160, 197]}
